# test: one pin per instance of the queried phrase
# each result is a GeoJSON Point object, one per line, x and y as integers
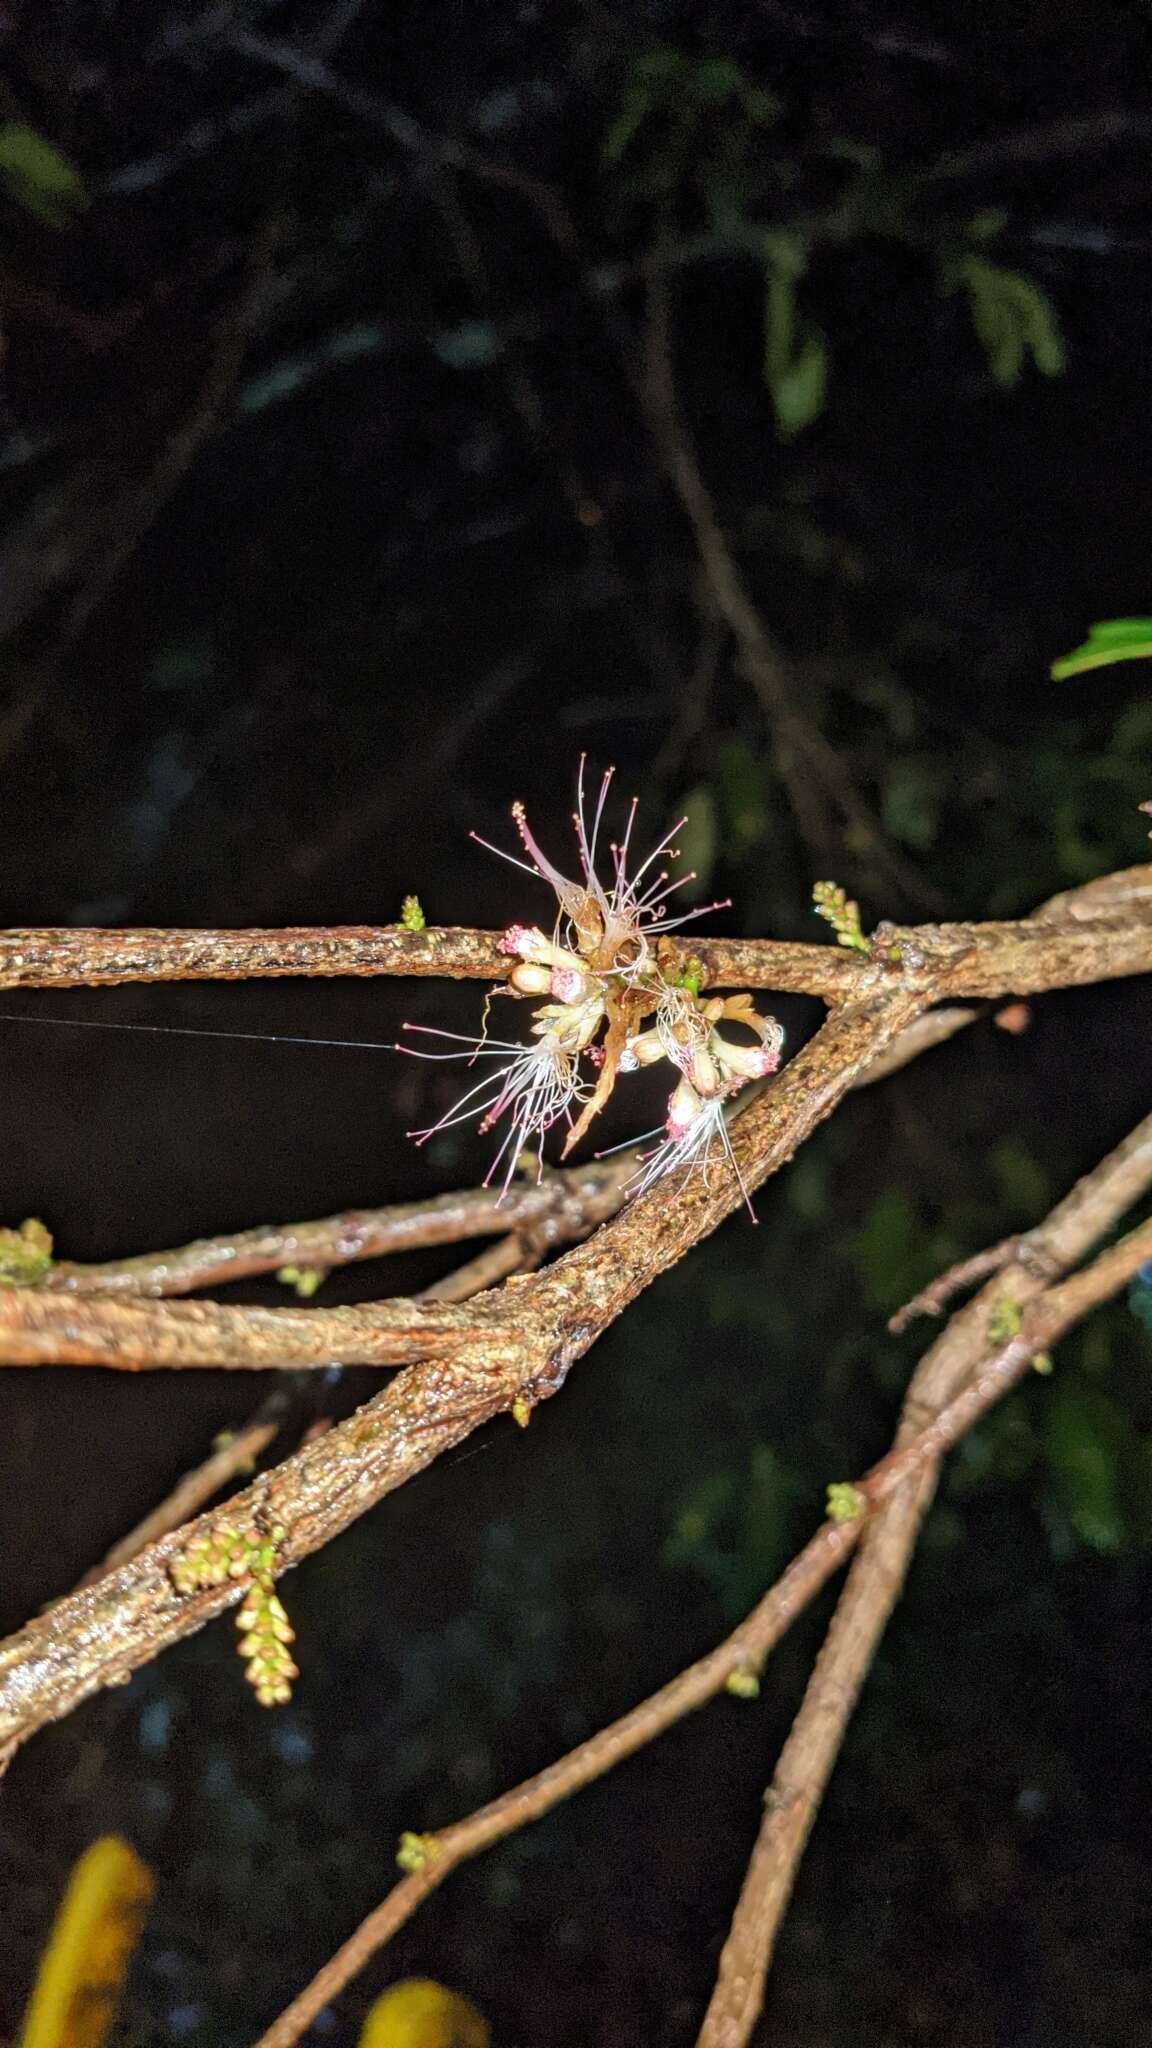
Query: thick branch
{"type": "Point", "coordinates": [515, 1345]}
{"type": "Point", "coordinates": [238, 1450]}
{"type": "Point", "coordinates": [1095, 934]}
{"type": "Point", "coordinates": [75, 958]}
{"type": "Point", "coordinates": [38, 1327]}
{"type": "Point", "coordinates": [903, 1472]}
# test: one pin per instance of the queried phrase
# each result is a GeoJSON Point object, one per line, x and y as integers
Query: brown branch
{"type": "Point", "coordinates": [819, 786]}
{"type": "Point", "coordinates": [476, 1362]}
{"type": "Point", "coordinates": [515, 1345]}
{"type": "Point", "coordinates": [951, 1387]}
{"type": "Point", "coordinates": [1099, 933]}
{"type": "Point", "coordinates": [934, 1028]}
{"type": "Point", "coordinates": [563, 1206]}
{"type": "Point", "coordinates": [38, 1327]}
{"type": "Point", "coordinates": [560, 1209]}
{"type": "Point", "coordinates": [933, 1299]}
{"type": "Point", "coordinates": [237, 1453]}
{"type": "Point", "coordinates": [121, 525]}
{"type": "Point", "coordinates": [1086, 1213]}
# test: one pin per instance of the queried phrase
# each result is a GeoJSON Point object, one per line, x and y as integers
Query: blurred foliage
{"type": "Point", "coordinates": [699, 130]}
{"type": "Point", "coordinates": [82, 1972]}
{"type": "Point", "coordinates": [38, 177]}
{"type": "Point", "coordinates": [1112, 640]}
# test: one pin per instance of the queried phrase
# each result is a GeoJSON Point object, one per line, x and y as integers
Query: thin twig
{"type": "Point", "coordinates": [233, 1455]}
{"type": "Point", "coordinates": [952, 1386]}
{"type": "Point", "coordinates": [238, 1451]}
{"type": "Point", "coordinates": [933, 1299]}
{"type": "Point", "coordinates": [744, 1651]}
{"type": "Point", "coordinates": [561, 1207]}
{"type": "Point", "coordinates": [819, 786]}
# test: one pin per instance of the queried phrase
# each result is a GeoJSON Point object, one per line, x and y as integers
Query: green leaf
{"type": "Point", "coordinates": [649, 83]}
{"type": "Point", "coordinates": [800, 393]}
{"type": "Point", "coordinates": [1023, 1184]}
{"type": "Point", "coordinates": [740, 791]}
{"type": "Point", "coordinates": [733, 1530]}
{"type": "Point", "coordinates": [635, 108]}
{"type": "Point", "coordinates": [1111, 640]}
{"type": "Point", "coordinates": [985, 226]}
{"type": "Point", "coordinates": [38, 175]}
{"type": "Point", "coordinates": [795, 351]}
{"type": "Point", "coordinates": [911, 804]}
{"type": "Point", "coordinates": [1013, 318]}
{"type": "Point", "coordinates": [890, 1255]}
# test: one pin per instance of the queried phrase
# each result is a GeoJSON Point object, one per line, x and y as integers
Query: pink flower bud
{"type": "Point", "coordinates": [568, 985]}
{"type": "Point", "coordinates": [525, 940]}
{"type": "Point", "coordinates": [744, 1062]}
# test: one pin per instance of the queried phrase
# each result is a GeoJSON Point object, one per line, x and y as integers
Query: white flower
{"type": "Point", "coordinates": [535, 1085]}
{"type": "Point", "coordinates": [608, 926]}
{"type": "Point", "coordinates": [696, 1136]}
{"type": "Point", "coordinates": [747, 1062]}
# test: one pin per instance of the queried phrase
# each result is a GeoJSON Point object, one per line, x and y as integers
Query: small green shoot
{"type": "Point", "coordinates": [832, 903]}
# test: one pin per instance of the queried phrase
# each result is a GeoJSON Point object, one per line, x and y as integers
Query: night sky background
{"type": "Point", "coordinates": [334, 519]}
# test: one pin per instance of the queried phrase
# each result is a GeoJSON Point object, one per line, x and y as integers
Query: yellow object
{"type": "Point", "coordinates": [83, 1968]}
{"type": "Point", "coordinates": [421, 2014]}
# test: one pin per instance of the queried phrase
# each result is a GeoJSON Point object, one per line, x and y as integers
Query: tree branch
{"type": "Point", "coordinates": [516, 1345]}
{"type": "Point", "coordinates": [1099, 933]}
{"type": "Point", "coordinates": [559, 1209]}
{"type": "Point", "coordinates": [819, 786]}
{"type": "Point", "coordinates": [952, 1386]}
{"type": "Point", "coordinates": [1080, 1219]}
{"type": "Point", "coordinates": [563, 1206]}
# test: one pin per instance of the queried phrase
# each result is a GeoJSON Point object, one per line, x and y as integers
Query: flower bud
{"type": "Point", "coordinates": [744, 1062]}
{"type": "Point", "coordinates": [684, 1106]}
{"type": "Point", "coordinates": [569, 985]}
{"type": "Point", "coordinates": [518, 939]}
{"type": "Point", "coordinates": [703, 1072]}
{"type": "Point", "coordinates": [646, 1048]}
{"type": "Point", "coordinates": [531, 978]}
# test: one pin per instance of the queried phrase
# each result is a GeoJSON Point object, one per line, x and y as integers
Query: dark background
{"type": "Point", "coordinates": [333, 522]}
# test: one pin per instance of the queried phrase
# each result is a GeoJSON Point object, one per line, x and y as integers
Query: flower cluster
{"type": "Point", "coordinates": [613, 995]}
{"type": "Point", "coordinates": [226, 1552]}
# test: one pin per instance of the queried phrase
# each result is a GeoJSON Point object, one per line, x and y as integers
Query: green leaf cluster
{"type": "Point", "coordinates": [25, 1254]}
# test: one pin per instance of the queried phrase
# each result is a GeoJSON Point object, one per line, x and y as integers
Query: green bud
{"type": "Point", "coordinates": [846, 1503]}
